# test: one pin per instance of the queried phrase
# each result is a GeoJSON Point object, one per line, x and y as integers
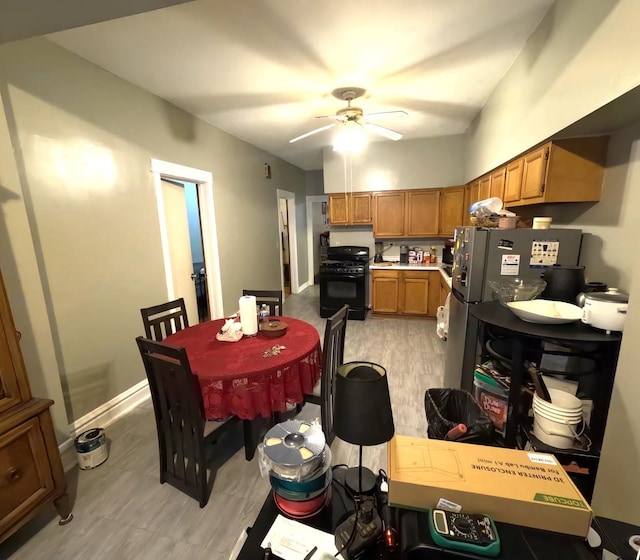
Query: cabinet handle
{"type": "Point", "coordinates": [13, 474]}
{"type": "Point", "coordinates": [18, 336]}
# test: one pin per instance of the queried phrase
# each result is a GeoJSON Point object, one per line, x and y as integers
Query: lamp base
{"type": "Point", "coordinates": [352, 481]}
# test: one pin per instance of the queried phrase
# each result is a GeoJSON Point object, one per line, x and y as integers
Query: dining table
{"type": "Point", "coordinates": [255, 377]}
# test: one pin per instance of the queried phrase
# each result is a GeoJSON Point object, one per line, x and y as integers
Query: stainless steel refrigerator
{"type": "Point", "coordinates": [484, 254]}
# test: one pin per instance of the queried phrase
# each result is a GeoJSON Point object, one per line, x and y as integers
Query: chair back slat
{"type": "Point", "coordinates": [162, 320]}
{"type": "Point", "coordinates": [179, 414]}
{"type": "Point", "coordinates": [273, 299]}
{"type": "Point", "coordinates": [332, 359]}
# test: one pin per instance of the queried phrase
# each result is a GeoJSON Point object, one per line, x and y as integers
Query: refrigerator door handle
{"type": "Point", "coordinates": [456, 294]}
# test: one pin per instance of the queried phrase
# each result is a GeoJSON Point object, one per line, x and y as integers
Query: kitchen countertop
{"type": "Point", "coordinates": [426, 267]}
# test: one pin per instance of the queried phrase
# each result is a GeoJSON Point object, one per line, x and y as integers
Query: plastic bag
{"type": "Point", "coordinates": [486, 207]}
{"type": "Point", "coordinates": [446, 408]}
{"type": "Point", "coordinates": [442, 319]}
{"type": "Point", "coordinates": [231, 331]}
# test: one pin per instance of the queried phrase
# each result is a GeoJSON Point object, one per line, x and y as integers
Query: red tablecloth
{"type": "Point", "coordinates": [236, 379]}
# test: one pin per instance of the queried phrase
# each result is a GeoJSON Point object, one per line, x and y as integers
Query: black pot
{"type": "Point", "coordinates": [564, 283]}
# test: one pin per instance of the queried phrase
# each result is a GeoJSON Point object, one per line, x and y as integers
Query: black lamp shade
{"type": "Point", "coordinates": [362, 410]}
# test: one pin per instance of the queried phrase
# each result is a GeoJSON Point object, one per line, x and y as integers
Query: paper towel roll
{"type": "Point", "coordinates": [248, 315]}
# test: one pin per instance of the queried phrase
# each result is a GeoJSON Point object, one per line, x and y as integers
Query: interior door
{"type": "Point", "coordinates": [177, 223]}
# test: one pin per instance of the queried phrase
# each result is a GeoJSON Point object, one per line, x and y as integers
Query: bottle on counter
{"type": "Point", "coordinates": [433, 256]}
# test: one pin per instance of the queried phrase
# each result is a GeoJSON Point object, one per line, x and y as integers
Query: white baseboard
{"type": "Point", "coordinates": [303, 287]}
{"type": "Point", "coordinates": [102, 417]}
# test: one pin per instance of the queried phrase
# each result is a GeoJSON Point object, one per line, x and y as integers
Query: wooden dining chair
{"type": "Point", "coordinates": [183, 432]}
{"type": "Point", "coordinates": [332, 358]}
{"type": "Point", "coordinates": [162, 320]}
{"type": "Point", "coordinates": [273, 298]}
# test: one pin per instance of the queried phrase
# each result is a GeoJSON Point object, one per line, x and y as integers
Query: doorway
{"type": "Point", "coordinates": [285, 246]}
{"type": "Point", "coordinates": [287, 242]}
{"type": "Point", "coordinates": [317, 233]}
{"type": "Point", "coordinates": [189, 270]}
{"type": "Point", "coordinates": [202, 182]}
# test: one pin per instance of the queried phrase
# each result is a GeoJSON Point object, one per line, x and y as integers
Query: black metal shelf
{"type": "Point", "coordinates": [525, 338]}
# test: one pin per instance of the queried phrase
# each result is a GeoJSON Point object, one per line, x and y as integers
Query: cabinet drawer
{"type": "Point", "coordinates": [385, 273]}
{"type": "Point", "coordinates": [25, 473]}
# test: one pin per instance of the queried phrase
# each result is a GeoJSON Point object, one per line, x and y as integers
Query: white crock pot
{"type": "Point", "coordinates": [605, 311]}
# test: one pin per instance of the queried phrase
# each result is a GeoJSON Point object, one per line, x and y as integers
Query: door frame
{"type": "Point", "coordinates": [310, 200]}
{"type": "Point", "coordinates": [293, 240]}
{"type": "Point", "coordinates": [204, 183]}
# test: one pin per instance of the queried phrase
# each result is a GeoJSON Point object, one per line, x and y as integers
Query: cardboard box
{"type": "Point", "coordinates": [519, 487]}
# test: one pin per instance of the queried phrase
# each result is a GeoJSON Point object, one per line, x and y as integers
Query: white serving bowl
{"type": "Point", "coordinates": [546, 311]}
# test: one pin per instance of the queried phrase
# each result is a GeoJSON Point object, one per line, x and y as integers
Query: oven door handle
{"type": "Point", "coordinates": [346, 276]}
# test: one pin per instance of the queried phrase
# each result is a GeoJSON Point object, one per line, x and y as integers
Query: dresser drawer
{"type": "Point", "coordinates": [25, 473]}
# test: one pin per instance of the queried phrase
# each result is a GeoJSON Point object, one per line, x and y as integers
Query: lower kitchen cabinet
{"type": "Point", "coordinates": [385, 292]}
{"type": "Point", "coordinates": [406, 292]}
{"type": "Point", "coordinates": [414, 292]}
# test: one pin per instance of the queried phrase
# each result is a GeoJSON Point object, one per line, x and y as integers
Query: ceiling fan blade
{"type": "Point", "coordinates": [334, 117]}
{"type": "Point", "coordinates": [311, 133]}
{"type": "Point", "coordinates": [382, 131]}
{"type": "Point", "coordinates": [386, 114]}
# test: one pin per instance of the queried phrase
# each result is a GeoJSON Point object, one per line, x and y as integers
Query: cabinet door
{"type": "Point", "coordinates": [513, 180]}
{"type": "Point", "coordinates": [497, 183]}
{"type": "Point", "coordinates": [465, 206]}
{"type": "Point", "coordinates": [338, 209]}
{"type": "Point", "coordinates": [9, 390]}
{"type": "Point", "coordinates": [385, 291]}
{"type": "Point", "coordinates": [414, 294]}
{"type": "Point", "coordinates": [484, 187]}
{"type": "Point", "coordinates": [534, 172]}
{"type": "Point", "coordinates": [388, 214]}
{"type": "Point", "coordinates": [360, 207]}
{"type": "Point", "coordinates": [452, 202]}
{"type": "Point", "coordinates": [423, 213]}
{"type": "Point", "coordinates": [14, 385]}
{"type": "Point", "coordinates": [26, 472]}
{"type": "Point", "coordinates": [474, 191]}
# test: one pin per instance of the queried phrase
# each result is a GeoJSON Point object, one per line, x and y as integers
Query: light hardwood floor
{"type": "Point", "coordinates": [121, 511]}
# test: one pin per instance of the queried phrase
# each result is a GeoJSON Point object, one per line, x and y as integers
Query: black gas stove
{"type": "Point", "coordinates": [344, 280]}
{"type": "Point", "coordinates": [343, 267]}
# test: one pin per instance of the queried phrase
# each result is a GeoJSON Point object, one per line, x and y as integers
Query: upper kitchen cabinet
{"type": "Point", "coordinates": [513, 180]}
{"type": "Point", "coordinates": [569, 170]}
{"type": "Point", "coordinates": [338, 209]}
{"type": "Point", "coordinates": [422, 213]}
{"type": "Point", "coordinates": [474, 191]}
{"type": "Point", "coordinates": [452, 209]}
{"type": "Point", "coordinates": [350, 209]}
{"type": "Point", "coordinates": [466, 217]}
{"type": "Point", "coordinates": [360, 208]}
{"type": "Point", "coordinates": [497, 183]}
{"type": "Point", "coordinates": [484, 187]}
{"type": "Point", "coordinates": [533, 172]}
{"type": "Point", "coordinates": [389, 214]}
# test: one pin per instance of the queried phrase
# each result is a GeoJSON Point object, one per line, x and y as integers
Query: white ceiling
{"type": "Point", "coordinates": [261, 69]}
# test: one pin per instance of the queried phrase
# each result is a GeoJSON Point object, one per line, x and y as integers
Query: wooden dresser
{"type": "Point", "coordinates": [31, 473]}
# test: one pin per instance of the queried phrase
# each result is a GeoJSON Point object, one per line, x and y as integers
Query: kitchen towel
{"type": "Point", "coordinates": [248, 315]}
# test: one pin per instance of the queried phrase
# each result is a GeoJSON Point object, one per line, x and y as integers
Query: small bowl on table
{"type": "Point", "coordinates": [515, 288]}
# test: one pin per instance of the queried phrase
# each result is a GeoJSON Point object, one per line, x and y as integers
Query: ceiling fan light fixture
{"type": "Point", "coordinates": [350, 138]}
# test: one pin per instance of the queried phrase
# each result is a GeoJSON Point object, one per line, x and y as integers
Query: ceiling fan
{"type": "Point", "coordinates": [350, 116]}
